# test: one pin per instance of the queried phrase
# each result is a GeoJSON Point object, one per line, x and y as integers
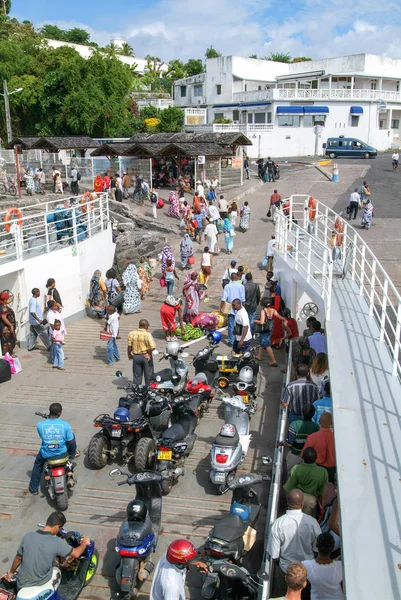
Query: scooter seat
{"type": "Point", "coordinates": [58, 460]}
{"type": "Point", "coordinates": [133, 532]}
{"type": "Point", "coordinates": [164, 374]}
{"type": "Point", "coordinates": [44, 591]}
{"type": "Point", "coordinates": [229, 528]}
{"type": "Point", "coordinates": [176, 432]}
{"type": "Point", "coordinates": [223, 440]}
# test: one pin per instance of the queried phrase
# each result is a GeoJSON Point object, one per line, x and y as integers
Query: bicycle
{"type": "Point", "coordinates": [10, 189]}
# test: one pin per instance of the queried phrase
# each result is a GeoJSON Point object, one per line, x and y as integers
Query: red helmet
{"type": "Point", "coordinates": [181, 551]}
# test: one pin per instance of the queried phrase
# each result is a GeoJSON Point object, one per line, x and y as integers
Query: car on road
{"type": "Point", "coordinates": [348, 146]}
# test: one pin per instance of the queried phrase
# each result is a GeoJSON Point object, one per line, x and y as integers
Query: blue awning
{"type": "Point", "coordinates": [356, 110]}
{"type": "Point", "coordinates": [290, 110]}
{"type": "Point", "coordinates": [316, 110]}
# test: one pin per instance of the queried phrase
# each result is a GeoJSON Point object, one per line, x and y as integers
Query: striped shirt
{"type": "Point", "coordinates": [298, 432]}
{"type": "Point", "coordinates": [298, 393]}
{"type": "Point", "coordinates": [140, 341]}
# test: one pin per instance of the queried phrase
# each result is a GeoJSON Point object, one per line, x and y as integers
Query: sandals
{"type": "Point", "coordinates": [273, 364]}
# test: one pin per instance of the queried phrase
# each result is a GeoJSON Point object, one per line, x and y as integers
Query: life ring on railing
{"type": "Point", "coordinates": [312, 208]}
{"type": "Point", "coordinates": [12, 214]}
{"type": "Point", "coordinates": [339, 226]}
{"type": "Point", "coordinates": [87, 197]}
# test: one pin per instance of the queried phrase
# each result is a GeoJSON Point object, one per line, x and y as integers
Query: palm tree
{"type": "Point", "coordinates": [126, 50]}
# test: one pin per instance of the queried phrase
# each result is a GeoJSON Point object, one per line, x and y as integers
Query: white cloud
{"type": "Point", "coordinates": [363, 27]}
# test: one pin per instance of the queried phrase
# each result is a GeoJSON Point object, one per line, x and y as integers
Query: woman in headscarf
{"type": "Point", "coordinates": [193, 294]}
{"type": "Point", "coordinates": [98, 295]}
{"type": "Point", "coordinates": [228, 235]}
{"type": "Point", "coordinates": [368, 212]}
{"type": "Point", "coordinates": [174, 208]}
{"type": "Point", "coordinates": [30, 184]}
{"type": "Point", "coordinates": [145, 273]}
{"type": "Point", "coordinates": [187, 250]}
{"type": "Point", "coordinates": [8, 338]}
{"type": "Point", "coordinates": [132, 297]}
{"type": "Point", "coordinates": [166, 255]}
{"type": "Point", "coordinates": [245, 217]}
{"type": "Point", "coordinates": [98, 184]}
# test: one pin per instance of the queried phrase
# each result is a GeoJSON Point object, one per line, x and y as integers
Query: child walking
{"type": "Point", "coordinates": [57, 352]}
{"type": "Point", "coordinates": [112, 327]}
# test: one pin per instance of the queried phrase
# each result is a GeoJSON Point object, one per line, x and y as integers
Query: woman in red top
{"type": "Point", "coordinates": [98, 185]}
{"type": "Point", "coordinates": [168, 315]}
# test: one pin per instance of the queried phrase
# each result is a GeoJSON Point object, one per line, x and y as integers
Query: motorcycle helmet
{"type": "Point", "coordinates": [173, 348]}
{"type": "Point", "coordinates": [137, 511]}
{"type": "Point", "coordinates": [214, 337]}
{"type": "Point", "coordinates": [122, 415]}
{"type": "Point", "coordinates": [287, 313]}
{"type": "Point", "coordinates": [181, 552]}
{"type": "Point", "coordinates": [246, 374]}
{"type": "Point", "coordinates": [228, 430]}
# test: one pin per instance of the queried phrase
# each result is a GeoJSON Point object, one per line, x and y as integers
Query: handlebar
{"type": "Point", "coordinates": [43, 415]}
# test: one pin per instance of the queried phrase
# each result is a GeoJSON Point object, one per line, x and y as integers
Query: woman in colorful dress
{"type": "Point", "coordinates": [229, 233]}
{"type": "Point", "coordinates": [132, 296]}
{"type": "Point", "coordinates": [186, 249]}
{"type": "Point", "coordinates": [98, 295]}
{"type": "Point", "coordinates": [145, 274]}
{"type": "Point", "coordinates": [193, 293]}
{"type": "Point", "coordinates": [245, 217]}
{"type": "Point", "coordinates": [174, 208]}
{"type": "Point", "coordinates": [8, 338]}
{"type": "Point", "coordinates": [367, 216]}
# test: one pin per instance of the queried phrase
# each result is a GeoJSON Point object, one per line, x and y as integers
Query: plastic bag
{"type": "Point", "coordinates": [264, 262]}
{"type": "Point", "coordinates": [11, 362]}
{"type": "Point", "coordinates": [162, 282]}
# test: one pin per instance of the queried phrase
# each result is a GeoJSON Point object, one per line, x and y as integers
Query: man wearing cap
{"type": "Point", "coordinates": [228, 272]}
{"type": "Point", "coordinates": [168, 315]}
{"type": "Point", "coordinates": [232, 291]}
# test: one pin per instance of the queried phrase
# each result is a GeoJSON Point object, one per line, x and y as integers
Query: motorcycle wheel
{"type": "Point", "coordinates": [96, 452]}
{"type": "Point", "coordinates": [166, 486]}
{"type": "Point", "coordinates": [62, 500]}
{"type": "Point", "coordinates": [144, 454]}
{"type": "Point", "coordinates": [92, 568]}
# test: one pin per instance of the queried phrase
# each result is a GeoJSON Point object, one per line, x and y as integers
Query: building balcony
{"type": "Point", "coordinates": [252, 96]}
{"type": "Point", "coordinates": [279, 94]}
{"type": "Point", "coordinates": [161, 103]}
{"type": "Point", "coordinates": [231, 128]}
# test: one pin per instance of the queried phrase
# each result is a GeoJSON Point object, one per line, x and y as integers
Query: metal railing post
{"type": "Point", "coordinates": [354, 258]}
{"type": "Point", "coordinates": [384, 310]}
{"type": "Point", "coordinates": [297, 245]}
{"type": "Point", "coordinates": [372, 289]}
{"type": "Point", "coordinates": [326, 220]}
{"type": "Point", "coordinates": [93, 173]}
{"type": "Point", "coordinates": [329, 290]}
{"type": "Point", "coordinates": [306, 215]}
{"type": "Point", "coordinates": [88, 212]}
{"type": "Point", "coordinates": [397, 341]}
{"type": "Point", "coordinates": [101, 199]}
{"type": "Point", "coordinates": [309, 257]}
{"type": "Point", "coordinates": [47, 228]}
{"type": "Point", "coordinates": [286, 225]}
{"type": "Point", "coordinates": [74, 226]}
{"type": "Point", "coordinates": [362, 271]}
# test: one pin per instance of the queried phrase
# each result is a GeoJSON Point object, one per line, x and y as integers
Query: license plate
{"type": "Point", "coordinates": [220, 477]}
{"type": "Point", "coordinates": [165, 455]}
{"type": "Point", "coordinates": [245, 399]}
{"type": "Point", "coordinates": [116, 433]}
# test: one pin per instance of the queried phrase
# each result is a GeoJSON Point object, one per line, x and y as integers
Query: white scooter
{"type": "Point", "coordinates": [231, 444]}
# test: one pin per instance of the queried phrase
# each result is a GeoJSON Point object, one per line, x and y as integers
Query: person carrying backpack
{"type": "Point", "coordinates": [153, 200]}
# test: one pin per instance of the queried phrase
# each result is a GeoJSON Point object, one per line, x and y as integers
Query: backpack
{"type": "Point", "coordinates": [78, 176]}
{"type": "Point", "coordinates": [153, 198]}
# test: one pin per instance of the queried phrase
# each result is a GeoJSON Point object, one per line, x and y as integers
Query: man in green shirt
{"type": "Point", "coordinates": [310, 479]}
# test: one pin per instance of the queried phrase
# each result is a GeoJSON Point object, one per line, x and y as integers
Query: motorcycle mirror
{"type": "Point", "coordinates": [155, 352]}
{"type": "Point", "coordinates": [115, 472]}
{"type": "Point", "coordinates": [263, 576]}
{"type": "Point", "coordinates": [267, 460]}
{"type": "Point", "coordinates": [184, 354]}
{"type": "Point", "coordinates": [119, 374]}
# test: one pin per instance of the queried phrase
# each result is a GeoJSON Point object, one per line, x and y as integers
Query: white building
{"type": "Point", "coordinates": [277, 105]}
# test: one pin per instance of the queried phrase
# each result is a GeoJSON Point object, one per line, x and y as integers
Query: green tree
{"type": "Point", "coordinates": [176, 70]}
{"type": "Point", "coordinates": [171, 119]}
{"type": "Point", "coordinates": [53, 32]}
{"type": "Point", "coordinates": [283, 57]}
{"type": "Point", "coordinates": [194, 66]}
{"type": "Point", "coordinates": [212, 53]}
{"type": "Point", "coordinates": [77, 36]}
{"type": "Point", "coordinates": [126, 50]}
{"type": "Point", "coordinates": [298, 59]}
{"type": "Point", "coordinates": [253, 56]}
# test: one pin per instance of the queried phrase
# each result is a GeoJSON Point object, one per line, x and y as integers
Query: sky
{"type": "Point", "coordinates": [185, 28]}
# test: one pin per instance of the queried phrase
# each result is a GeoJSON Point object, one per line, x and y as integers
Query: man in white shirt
{"type": "Point", "coordinates": [213, 187]}
{"type": "Point", "coordinates": [213, 213]}
{"type": "Point", "coordinates": [292, 539]}
{"type": "Point", "coordinates": [223, 207]}
{"type": "Point", "coordinates": [112, 352]}
{"type": "Point", "coordinates": [271, 246]}
{"type": "Point", "coordinates": [74, 180]}
{"type": "Point", "coordinates": [242, 328]}
{"type": "Point", "coordinates": [37, 325]}
{"type": "Point", "coordinates": [394, 160]}
{"type": "Point", "coordinates": [354, 204]}
{"type": "Point", "coordinates": [200, 189]}
{"type": "Point", "coordinates": [232, 291]}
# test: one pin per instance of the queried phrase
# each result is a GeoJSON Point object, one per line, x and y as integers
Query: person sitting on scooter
{"type": "Point", "coordinates": [57, 439]}
{"type": "Point", "coordinates": [37, 551]}
{"type": "Point", "coordinates": [242, 329]}
{"type": "Point", "coordinates": [171, 571]}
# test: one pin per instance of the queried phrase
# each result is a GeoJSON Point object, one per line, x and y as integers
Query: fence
{"type": "Point", "coordinates": [47, 226]}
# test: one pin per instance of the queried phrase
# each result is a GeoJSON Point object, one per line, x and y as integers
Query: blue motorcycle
{"type": "Point", "coordinates": [67, 581]}
{"type": "Point", "coordinates": [139, 532]}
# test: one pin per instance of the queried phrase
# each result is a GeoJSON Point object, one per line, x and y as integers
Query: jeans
{"type": "Point", "coordinates": [245, 346]}
{"type": "Point", "coordinates": [36, 331]}
{"type": "Point", "coordinates": [74, 187]}
{"type": "Point", "coordinates": [57, 355]}
{"type": "Point", "coordinates": [40, 463]}
{"type": "Point", "coordinates": [142, 367]}
{"type": "Point", "coordinates": [247, 172]}
{"type": "Point", "coordinates": [251, 316]}
{"type": "Point", "coordinates": [271, 175]}
{"type": "Point", "coordinates": [353, 209]}
{"type": "Point", "coordinates": [230, 327]}
{"type": "Point", "coordinates": [170, 286]}
{"type": "Point", "coordinates": [112, 351]}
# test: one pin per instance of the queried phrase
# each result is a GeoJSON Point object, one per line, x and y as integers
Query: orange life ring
{"type": "Point", "coordinates": [312, 208]}
{"type": "Point", "coordinates": [339, 226]}
{"type": "Point", "coordinates": [9, 217]}
{"type": "Point", "coordinates": [87, 197]}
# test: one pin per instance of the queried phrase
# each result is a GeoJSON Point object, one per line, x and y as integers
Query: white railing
{"type": "Point", "coordinates": [275, 486]}
{"type": "Point", "coordinates": [333, 94]}
{"type": "Point", "coordinates": [253, 95]}
{"type": "Point", "coordinates": [198, 112]}
{"type": "Point", "coordinates": [259, 127]}
{"type": "Point", "coordinates": [349, 255]}
{"type": "Point", "coordinates": [157, 102]}
{"type": "Point", "coordinates": [42, 228]}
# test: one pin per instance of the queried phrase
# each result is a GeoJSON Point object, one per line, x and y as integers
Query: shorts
{"type": "Point", "coordinates": [265, 339]}
{"type": "Point", "coordinates": [395, 163]}
{"type": "Point", "coordinates": [206, 270]}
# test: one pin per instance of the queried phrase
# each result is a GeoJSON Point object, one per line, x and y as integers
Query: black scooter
{"type": "Point", "coordinates": [138, 534]}
{"type": "Point", "coordinates": [227, 581]}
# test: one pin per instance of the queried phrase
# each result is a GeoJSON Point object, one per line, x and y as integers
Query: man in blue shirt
{"type": "Point", "coordinates": [317, 340]}
{"type": "Point", "coordinates": [57, 439]}
{"type": "Point", "coordinates": [231, 292]}
{"type": "Point", "coordinates": [36, 323]}
{"type": "Point", "coordinates": [324, 404]}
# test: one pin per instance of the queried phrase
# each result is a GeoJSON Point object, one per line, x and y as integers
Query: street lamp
{"type": "Point", "coordinates": [7, 108]}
